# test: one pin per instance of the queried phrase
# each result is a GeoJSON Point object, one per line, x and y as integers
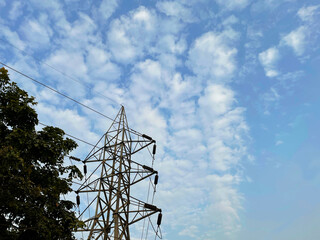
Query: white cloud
{"type": "Point", "coordinates": [142, 96]}
{"type": "Point", "coordinates": [149, 91]}
{"type": "Point", "coordinates": [48, 96]}
{"type": "Point", "coordinates": [102, 105]}
{"type": "Point", "coordinates": [269, 59]}
{"type": "Point", "coordinates": [279, 142]}
{"type": "Point", "coordinates": [211, 56]}
{"type": "Point", "coordinates": [296, 40]}
{"type": "Point", "coordinates": [224, 131]}
{"type": "Point", "coordinates": [12, 37]}
{"type": "Point", "coordinates": [271, 99]}
{"type": "Point", "coordinates": [107, 8]}
{"type": "Point", "coordinates": [233, 4]}
{"type": "Point", "coordinates": [79, 34]}
{"type": "Point", "coordinates": [143, 32]}
{"type": "Point", "coordinates": [176, 9]}
{"type": "Point", "coordinates": [198, 127]}
{"type": "Point", "coordinates": [183, 117]}
{"type": "Point", "coordinates": [225, 204]}
{"type": "Point", "coordinates": [15, 11]}
{"type": "Point", "coordinates": [222, 156]}
{"type": "Point", "coordinates": [181, 180]}
{"type": "Point", "coordinates": [267, 5]}
{"type": "Point", "coordinates": [170, 26]}
{"type": "Point", "coordinates": [111, 90]}
{"type": "Point", "coordinates": [218, 96]}
{"type": "Point", "coordinates": [68, 120]}
{"type": "Point", "coordinates": [178, 94]}
{"type": "Point", "coordinates": [191, 231]}
{"type": "Point", "coordinates": [183, 167]}
{"type": "Point", "coordinates": [71, 63]}
{"type": "Point", "coordinates": [169, 61]}
{"type": "Point", "coordinates": [121, 47]}
{"type": "Point", "coordinates": [99, 65]}
{"type": "Point", "coordinates": [130, 36]}
{"type": "Point", "coordinates": [230, 21]}
{"type": "Point", "coordinates": [272, 95]}
{"type": "Point", "coordinates": [28, 67]}
{"type": "Point", "coordinates": [220, 146]}
{"type": "Point", "coordinates": [54, 9]}
{"type": "Point", "coordinates": [150, 121]}
{"type": "Point", "coordinates": [170, 43]}
{"type": "Point", "coordinates": [182, 140]}
{"type": "Point", "coordinates": [37, 32]}
{"type": "Point", "coordinates": [225, 127]}
{"type": "Point", "coordinates": [307, 13]}
{"type": "Point", "coordinates": [2, 3]}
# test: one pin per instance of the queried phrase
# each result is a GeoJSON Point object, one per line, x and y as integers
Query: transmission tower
{"type": "Point", "coordinates": [110, 209]}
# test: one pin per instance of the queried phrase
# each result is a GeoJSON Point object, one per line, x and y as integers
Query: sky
{"type": "Point", "coordinates": [228, 88]}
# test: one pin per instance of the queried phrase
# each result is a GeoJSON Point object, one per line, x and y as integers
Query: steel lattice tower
{"type": "Point", "coordinates": [115, 172]}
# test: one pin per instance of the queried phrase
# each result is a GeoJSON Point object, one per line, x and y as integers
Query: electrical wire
{"type": "Point", "coordinates": [153, 195]}
{"type": "Point", "coordinates": [83, 105]}
{"type": "Point", "coordinates": [59, 71]}
{"type": "Point", "coordinates": [71, 136]}
{"type": "Point", "coordinates": [66, 96]}
{"type": "Point", "coordinates": [154, 192]}
{"type": "Point", "coordinates": [56, 91]}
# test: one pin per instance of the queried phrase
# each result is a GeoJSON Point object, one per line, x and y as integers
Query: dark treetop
{"type": "Point", "coordinates": [32, 171]}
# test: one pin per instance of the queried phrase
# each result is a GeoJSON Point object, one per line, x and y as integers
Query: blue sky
{"type": "Point", "coordinates": [228, 88]}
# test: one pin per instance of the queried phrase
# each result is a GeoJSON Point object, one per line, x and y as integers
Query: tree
{"type": "Point", "coordinates": [32, 171]}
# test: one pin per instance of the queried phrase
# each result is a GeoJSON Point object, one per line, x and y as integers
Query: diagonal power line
{"type": "Point", "coordinates": [64, 95]}
{"type": "Point", "coordinates": [59, 71]}
{"type": "Point", "coordinates": [79, 139]}
{"type": "Point", "coordinates": [56, 91]}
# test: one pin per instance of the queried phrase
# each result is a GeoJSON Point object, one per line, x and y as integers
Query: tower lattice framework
{"type": "Point", "coordinates": [111, 209]}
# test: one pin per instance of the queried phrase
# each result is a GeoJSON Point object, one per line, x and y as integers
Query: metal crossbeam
{"type": "Point", "coordinates": [115, 208]}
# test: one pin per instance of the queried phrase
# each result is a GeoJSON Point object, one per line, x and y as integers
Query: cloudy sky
{"type": "Point", "coordinates": [228, 88]}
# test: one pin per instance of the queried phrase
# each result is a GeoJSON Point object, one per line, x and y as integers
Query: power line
{"type": "Point", "coordinates": [64, 95]}
{"type": "Point", "coordinates": [56, 91]}
{"type": "Point", "coordinates": [71, 136]}
{"type": "Point", "coordinates": [59, 71]}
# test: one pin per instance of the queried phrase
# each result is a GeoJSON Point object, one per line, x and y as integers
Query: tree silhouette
{"type": "Point", "coordinates": [32, 171]}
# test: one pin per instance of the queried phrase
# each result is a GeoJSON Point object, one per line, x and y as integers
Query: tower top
{"type": "Point", "coordinates": [112, 209]}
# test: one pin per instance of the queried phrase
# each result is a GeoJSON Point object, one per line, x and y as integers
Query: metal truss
{"type": "Point", "coordinates": [115, 172]}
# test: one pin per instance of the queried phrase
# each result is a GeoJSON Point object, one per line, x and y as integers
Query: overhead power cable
{"type": "Point", "coordinates": [56, 91]}
{"type": "Point", "coordinates": [59, 71]}
{"type": "Point", "coordinates": [71, 136]}
{"type": "Point", "coordinates": [64, 95]}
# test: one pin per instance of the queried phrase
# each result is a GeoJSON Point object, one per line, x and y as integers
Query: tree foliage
{"type": "Point", "coordinates": [32, 171]}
